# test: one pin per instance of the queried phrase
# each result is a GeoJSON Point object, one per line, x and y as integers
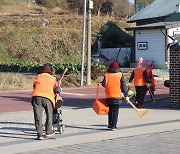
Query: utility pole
{"type": "Point", "coordinates": [90, 7]}
{"type": "Point", "coordinates": [83, 43]}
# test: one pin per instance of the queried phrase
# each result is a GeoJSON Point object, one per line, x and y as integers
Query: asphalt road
{"type": "Point", "coordinates": [14, 101]}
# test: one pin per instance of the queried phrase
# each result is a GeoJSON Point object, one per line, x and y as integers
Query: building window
{"type": "Point", "coordinates": [142, 45]}
{"type": "Point", "coordinates": [176, 33]}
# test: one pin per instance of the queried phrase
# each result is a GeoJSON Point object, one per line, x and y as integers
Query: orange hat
{"type": "Point", "coordinates": [114, 65]}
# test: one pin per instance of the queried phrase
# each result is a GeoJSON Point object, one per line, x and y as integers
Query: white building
{"type": "Point", "coordinates": [156, 24]}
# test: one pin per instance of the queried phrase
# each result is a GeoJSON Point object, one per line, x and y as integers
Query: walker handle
{"type": "Point", "coordinates": [97, 90]}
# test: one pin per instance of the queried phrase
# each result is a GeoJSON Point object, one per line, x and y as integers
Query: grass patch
{"type": "Point", "coordinates": [15, 81]}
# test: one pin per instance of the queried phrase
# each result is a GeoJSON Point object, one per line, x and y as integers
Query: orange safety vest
{"type": "Point", "coordinates": [138, 77]}
{"type": "Point", "coordinates": [113, 85]}
{"type": "Point", "coordinates": [44, 85]}
{"type": "Point", "coordinates": [151, 76]}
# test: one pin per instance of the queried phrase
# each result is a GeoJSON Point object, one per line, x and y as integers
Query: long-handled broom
{"type": "Point", "coordinates": [141, 112]}
{"type": "Point", "coordinates": [58, 98]}
{"type": "Point", "coordinates": [152, 96]}
{"type": "Point", "coordinates": [64, 72]}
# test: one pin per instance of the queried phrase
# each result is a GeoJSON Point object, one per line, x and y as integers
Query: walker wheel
{"type": "Point", "coordinates": [61, 128]}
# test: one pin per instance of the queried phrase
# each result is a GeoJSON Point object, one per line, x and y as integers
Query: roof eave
{"type": "Point", "coordinates": [144, 28]}
{"type": "Point", "coordinates": [144, 19]}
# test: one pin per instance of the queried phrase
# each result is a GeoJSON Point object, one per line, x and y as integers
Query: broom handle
{"type": "Point", "coordinates": [65, 70]}
{"type": "Point", "coordinates": [149, 90]}
{"type": "Point", "coordinates": [153, 99]}
{"type": "Point", "coordinates": [132, 105]}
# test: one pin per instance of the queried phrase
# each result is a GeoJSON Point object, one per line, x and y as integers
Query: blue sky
{"type": "Point", "coordinates": [131, 1]}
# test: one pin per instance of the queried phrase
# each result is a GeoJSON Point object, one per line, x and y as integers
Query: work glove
{"type": "Point", "coordinates": [127, 99]}
{"type": "Point", "coordinates": [58, 90]}
{"type": "Point", "coordinates": [128, 86]}
{"type": "Point", "coordinates": [149, 85]}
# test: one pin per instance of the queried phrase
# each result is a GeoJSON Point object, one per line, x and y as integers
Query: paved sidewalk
{"type": "Point", "coordinates": [87, 132]}
{"type": "Point", "coordinates": [17, 132]}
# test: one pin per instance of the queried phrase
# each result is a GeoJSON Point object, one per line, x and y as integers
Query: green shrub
{"type": "Point", "coordinates": [30, 67]}
{"type": "Point", "coordinates": [97, 70]}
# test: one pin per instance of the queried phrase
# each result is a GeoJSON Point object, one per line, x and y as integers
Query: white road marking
{"type": "Point", "coordinates": [77, 94]}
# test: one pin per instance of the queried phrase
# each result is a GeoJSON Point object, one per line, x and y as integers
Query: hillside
{"type": "Point", "coordinates": [25, 37]}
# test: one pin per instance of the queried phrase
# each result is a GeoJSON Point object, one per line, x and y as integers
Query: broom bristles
{"type": "Point", "coordinates": [142, 112]}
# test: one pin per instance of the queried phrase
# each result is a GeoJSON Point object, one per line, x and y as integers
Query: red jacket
{"type": "Point", "coordinates": [151, 76]}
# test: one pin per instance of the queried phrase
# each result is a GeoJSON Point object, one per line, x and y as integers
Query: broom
{"type": "Point", "coordinates": [141, 112]}
{"type": "Point", "coordinates": [152, 96]}
{"type": "Point", "coordinates": [64, 72]}
{"type": "Point", "coordinates": [58, 98]}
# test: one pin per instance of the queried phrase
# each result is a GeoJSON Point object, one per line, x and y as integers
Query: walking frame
{"type": "Point", "coordinates": [57, 113]}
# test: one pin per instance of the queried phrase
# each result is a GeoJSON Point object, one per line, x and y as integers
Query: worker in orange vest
{"type": "Point", "coordinates": [43, 97]}
{"type": "Point", "coordinates": [140, 77]}
{"type": "Point", "coordinates": [149, 67]}
{"type": "Point", "coordinates": [115, 85]}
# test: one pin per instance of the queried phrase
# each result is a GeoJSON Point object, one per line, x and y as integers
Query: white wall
{"type": "Point", "coordinates": [156, 46]}
{"type": "Point", "coordinates": [172, 32]}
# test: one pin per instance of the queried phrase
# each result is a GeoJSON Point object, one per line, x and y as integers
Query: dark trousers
{"type": "Point", "coordinates": [40, 104]}
{"type": "Point", "coordinates": [113, 111]}
{"type": "Point", "coordinates": [140, 94]}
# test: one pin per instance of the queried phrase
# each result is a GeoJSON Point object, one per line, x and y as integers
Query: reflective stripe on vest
{"type": "Point", "coordinates": [44, 84]}
{"type": "Point", "coordinates": [138, 77]}
{"type": "Point", "coordinates": [113, 85]}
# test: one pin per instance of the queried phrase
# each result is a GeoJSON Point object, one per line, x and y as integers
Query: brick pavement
{"type": "Point", "coordinates": [155, 143]}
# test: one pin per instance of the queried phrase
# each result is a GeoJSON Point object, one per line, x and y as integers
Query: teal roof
{"type": "Point", "coordinates": [159, 25]}
{"type": "Point", "coordinates": [158, 8]}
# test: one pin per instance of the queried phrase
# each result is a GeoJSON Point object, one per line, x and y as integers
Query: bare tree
{"type": "Point", "coordinates": [76, 6]}
{"type": "Point", "coordinates": [119, 8]}
{"type": "Point", "coordinates": [98, 6]}
{"type": "Point", "coordinates": [131, 10]}
{"type": "Point", "coordinates": [122, 8]}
